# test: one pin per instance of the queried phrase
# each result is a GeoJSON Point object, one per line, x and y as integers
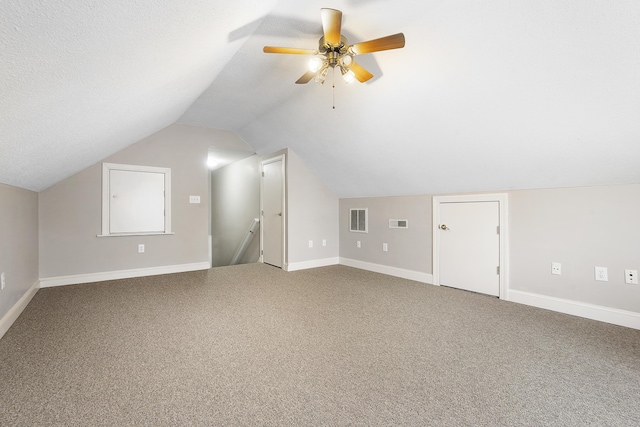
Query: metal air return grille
{"type": "Point", "coordinates": [398, 223]}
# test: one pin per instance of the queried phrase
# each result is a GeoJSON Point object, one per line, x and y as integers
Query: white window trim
{"type": "Point", "coordinates": [366, 220]}
{"type": "Point", "coordinates": [106, 168]}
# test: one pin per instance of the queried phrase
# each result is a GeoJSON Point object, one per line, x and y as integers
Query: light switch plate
{"type": "Point", "coordinates": [194, 199]}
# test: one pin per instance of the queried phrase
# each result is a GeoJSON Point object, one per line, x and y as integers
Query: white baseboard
{"type": "Point", "coordinates": [391, 271]}
{"type": "Point", "coordinates": [615, 316]}
{"type": "Point", "coordinates": [13, 313]}
{"type": "Point", "coordinates": [48, 282]}
{"type": "Point", "coordinates": [295, 266]}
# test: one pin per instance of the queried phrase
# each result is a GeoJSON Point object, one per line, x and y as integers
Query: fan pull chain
{"type": "Point", "coordinates": [333, 87]}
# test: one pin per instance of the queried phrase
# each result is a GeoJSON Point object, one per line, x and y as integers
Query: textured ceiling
{"type": "Point", "coordinates": [80, 80]}
{"type": "Point", "coordinates": [486, 95]}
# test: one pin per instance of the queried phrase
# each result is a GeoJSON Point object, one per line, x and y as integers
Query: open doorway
{"type": "Point", "coordinates": [235, 207]}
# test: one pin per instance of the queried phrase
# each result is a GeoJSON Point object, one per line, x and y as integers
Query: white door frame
{"type": "Point", "coordinates": [502, 199]}
{"type": "Point", "coordinates": [280, 157]}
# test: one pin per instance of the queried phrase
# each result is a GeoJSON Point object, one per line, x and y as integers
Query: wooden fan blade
{"type": "Point", "coordinates": [395, 41]}
{"type": "Point", "coordinates": [290, 50]}
{"type": "Point", "coordinates": [361, 74]}
{"type": "Point", "coordinates": [306, 77]}
{"type": "Point", "coordinates": [332, 25]}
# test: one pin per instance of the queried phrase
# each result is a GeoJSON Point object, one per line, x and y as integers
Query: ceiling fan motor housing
{"type": "Point", "coordinates": [336, 55]}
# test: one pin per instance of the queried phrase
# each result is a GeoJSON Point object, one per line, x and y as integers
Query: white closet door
{"type": "Point", "coordinates": [470, 246]}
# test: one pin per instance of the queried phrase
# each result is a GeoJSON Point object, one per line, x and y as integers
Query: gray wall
{"type": "Point", "coordinates": [408, 249]}
{"type": "Point", "coordinates": [312, 214]}
{"type": "Point", "coordinates": [18, 243]}
{"type": "Point", "coordinates": [578, 227]}
{"type": "Point", "coordinates": [235, 202]}
{"type": "Point", "coordinates": [70, 211]}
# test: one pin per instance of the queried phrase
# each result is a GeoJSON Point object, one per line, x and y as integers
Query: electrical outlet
{"type": "Point", "coordinates": [140, 248]}
{"type": "Point", "coordinates": [358, 244]}
{"type": "Point", "coordinates": [601, 274]}
{"type": "Point", "coordinates": [310, 243]}
{"type": "Point", "coordinates": [556, 268]}
{"type": "Point", "coordinates": [631, 277]}
{"type": "Point", "coordinates": [385, 248]}
{"type": "Point", "coordinates": [2, 281]}
{"type": "Point", "coordinates": [324, 242]}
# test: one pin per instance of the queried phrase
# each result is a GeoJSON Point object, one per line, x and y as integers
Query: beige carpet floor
{"type": "Point", "coordinates": [335, 346]}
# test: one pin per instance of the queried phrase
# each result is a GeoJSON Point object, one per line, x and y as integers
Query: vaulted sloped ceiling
{"type": "Point", "coordinates": [486, 95]}
{"type": "Point", "coordinates": [83, 79]}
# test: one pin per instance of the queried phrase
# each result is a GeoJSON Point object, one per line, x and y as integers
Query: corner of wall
{"type": "Point", "coordinates": [312, 216]}
{"type": "Point", "coordinates": [19, 242]}
{"type": "Point", "coordinates": [14, 312]}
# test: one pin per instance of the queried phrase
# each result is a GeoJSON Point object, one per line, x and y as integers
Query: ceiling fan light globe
{"type": "Point", "coordinates": [315, 64]}
{"type": "Point", "coordinates": [348, 75]}
{"type": "Point", "coordinates": [322, 74]}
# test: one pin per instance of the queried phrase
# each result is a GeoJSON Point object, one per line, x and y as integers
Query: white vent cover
{"type": "Point", "coordinates": [398, 223]}
{"type": "Point", "coordinates": [358, 220]}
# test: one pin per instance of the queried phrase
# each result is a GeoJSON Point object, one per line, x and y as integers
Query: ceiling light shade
{"type": "Point", "coordinates": [322, 73]}
{"type": "Point", "coordinates": [315, 64]}
{"type": "Point", "coordinates": [348, 75]}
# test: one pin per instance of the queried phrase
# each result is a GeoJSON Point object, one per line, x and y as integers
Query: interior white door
{"type": "Point", "coordinates": [470, 246]}
{"type": "Point", "coordinates": [272, 213]}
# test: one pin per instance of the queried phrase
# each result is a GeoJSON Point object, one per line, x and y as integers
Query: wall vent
{"type": "Point", "coordinates": [398, 223]}
{"type": "Point", "coordinates": [358, 220]}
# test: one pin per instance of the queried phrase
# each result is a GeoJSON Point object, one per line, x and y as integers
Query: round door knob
{"type": "Point", "coordinates": [279, 214]}
{"type": "Point", "coordinates": [443, 227]}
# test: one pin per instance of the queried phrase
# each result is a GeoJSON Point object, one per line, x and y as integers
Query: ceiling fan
{"type": "Point", "coordinates": [334, 51]}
